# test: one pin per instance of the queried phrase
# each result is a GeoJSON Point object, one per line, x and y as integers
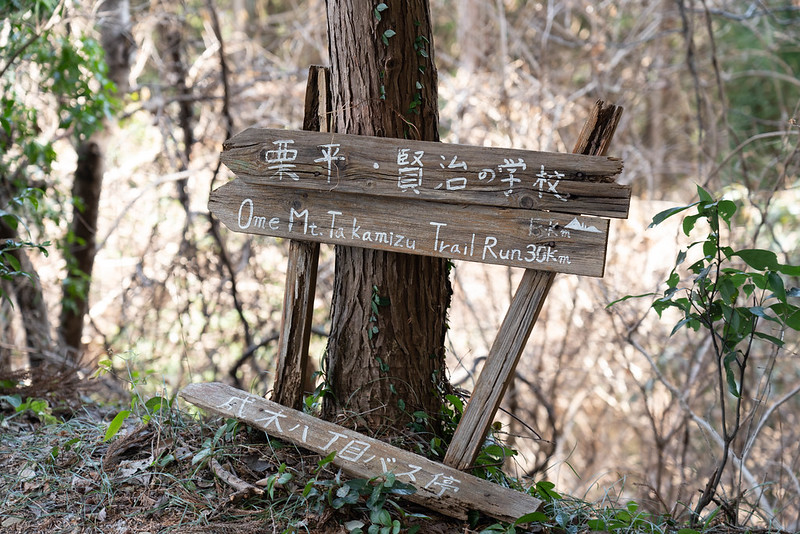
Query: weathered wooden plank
{"type": "Point", "coordinates": [526, 305]}
{"type": "Point", "coordinates": [292, 376]}
{"type": "Point", "coordinates": [449, 173]}
{"type": "Point", "coordinates": [520, 238]}
{"type": "Point", "coordinates": [439, 487]}
{"type": "Point", "coordinates": [499, 368]}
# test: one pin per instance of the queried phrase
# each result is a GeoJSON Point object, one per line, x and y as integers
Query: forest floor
{"type": "Point", "coordinates": [162, 472]}
{"type": "Point", "coordinates": [168, 470]}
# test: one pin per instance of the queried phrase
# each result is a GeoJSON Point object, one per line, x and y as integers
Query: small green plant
{"type": "Point", "coordinates": [210, 446]}
{"type": "Point", "coordinates": [740, 299]}
{"type": "Point", "coordinates": [156, 406]}
{"type": "Point", "coordinates": [629, 519]}
{"type": "Point", "coordinates": [500, 528]}
{"type": "Point", "coordinates": [492, 455]}
{"type": "Point", "coordinates": [277, 480]}
{"type": "Point", "coordinates": [378, 493]}
{"type": "Point", "coordinates": [374, 497]}
{"type": "Point", "coordinates": [38, 407]}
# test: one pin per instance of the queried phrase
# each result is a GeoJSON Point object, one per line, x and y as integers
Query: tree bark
{"type": "Point", "coordinates": [385, 356]}
{"type": "Point", "coordinates": [81, 247]}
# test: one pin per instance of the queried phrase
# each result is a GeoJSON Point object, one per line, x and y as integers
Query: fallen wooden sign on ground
{"type": "Point", "coordinates": [439, 487]}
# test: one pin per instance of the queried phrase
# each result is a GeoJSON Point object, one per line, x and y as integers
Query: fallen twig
{"type": "Point", "coordinates": [243, 489]}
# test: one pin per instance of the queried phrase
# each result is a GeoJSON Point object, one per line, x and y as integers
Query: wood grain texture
{"type": "Point", "coordinates": [450, 173]}
{"type": "Point", "coordinates": [439, 487]}
{"type": "Point", "coordinates": [518, 323]}
{"type": "Point", "coordinates": [518, 238]}
{"type": "Point", "coordinates": [384, 88]}
{"type": "Point", "coordinates": [292, 375]}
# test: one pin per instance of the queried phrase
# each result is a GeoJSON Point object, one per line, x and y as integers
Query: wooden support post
{"type": "Point", "coordinates": [519, 320]}
{"type": "Point", "coordinates": [292, 377]}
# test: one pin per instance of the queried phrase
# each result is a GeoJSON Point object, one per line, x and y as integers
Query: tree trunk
{"type": "Point", "coordinates": [115, 24]}
{"type": "Point", "coordinates": [171, 44]}
{"type": "Point", "coordinates": [385, 355]}
{"type": "Point", "coordinates": [474, 35]}
{"type": "Point", "coordinates": [81, 247]}
{"type": "Point", "coordinates": [29, 302]}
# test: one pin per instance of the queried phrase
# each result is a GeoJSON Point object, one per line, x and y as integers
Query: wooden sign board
{"type": "Point", "coordinates": [545, 241]}
{"type": "Point", "coordinates": [445, 173]}
{"type": "Point", "coordinates": [438, 486]}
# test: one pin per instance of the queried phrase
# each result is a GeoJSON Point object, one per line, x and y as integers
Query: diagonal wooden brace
{"type": "Point", "coordinates": [522, 314]}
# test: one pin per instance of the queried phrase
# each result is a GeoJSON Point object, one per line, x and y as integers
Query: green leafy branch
{"type": "Point", "coordinates": [739, 297]}
{"type": "Point", "coordinates": [376, 302]}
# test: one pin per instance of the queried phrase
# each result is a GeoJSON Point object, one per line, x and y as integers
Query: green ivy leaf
{"type": "Point", "coordinates": [327, 460]}
{"type": "Point", "coordinates": [775, 283]}
{"type": "Point", "coordinates": [710, 248]}
{"type": "Point", "coordinates": [628, 297]}
{"type": "Point", "coordinates": [544, 488]}
{"type": "Point", "coordinates": [726, 209]}
{"type": "Point", "coordinates": [674, 279]}
{"type": "Point", "coordinates": [386, 35]}
{"type": "Point", "coordinates": [457, 403]}
{"type": "Point", "coordinates": [154, 404]}
{"type": "Point", "coordinates": [772, 339]}
{"type": "Point", "coordinates": [597, 525]}
{"type": "Point", "coordinates": [681, 324]}
{"type": "Point", "coordinates": [116, 424]}
{"type": "Point", "coordinates": [666, 214]}
{"type": "Point", "coordinates": [533, 517]}
{"type": "Point", "coordinates": [759, 259]}
{"type": "Point", "coordinates": [401, 488]}
{"type": "Point", "coordinates": [704, 195]}
{"type": "Point", "coordinates": [689, 222]}
{"type": "Point", "coordinates": [730, 376]}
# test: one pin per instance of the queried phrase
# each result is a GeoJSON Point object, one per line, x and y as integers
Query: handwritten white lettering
{"type": "Point", "coordinates": [249, 203]}
{"type": "Point", "coordinates": [282, 156]}
{"type": "Point", "coordinates": [330, 155]}
{"type": "Point", "coordinates": [303, 214]}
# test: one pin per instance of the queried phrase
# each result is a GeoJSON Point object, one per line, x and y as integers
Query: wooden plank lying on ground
{"type": "Point", "coordinates": [449, 173]}
{"type": "Point", "coordinates": [545, 241]}
{"type": "Point", "coordinates": [441, 488]}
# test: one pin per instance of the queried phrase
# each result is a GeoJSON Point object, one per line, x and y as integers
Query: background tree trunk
{"type": "Point", "coordinates": [475, 34]}
{"type": "Point", "coordinates": [80, 249]}
{"type": "Point", "coordinates": [29, 302]}
{"type": "Point", "coordinates": [383, 366]}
